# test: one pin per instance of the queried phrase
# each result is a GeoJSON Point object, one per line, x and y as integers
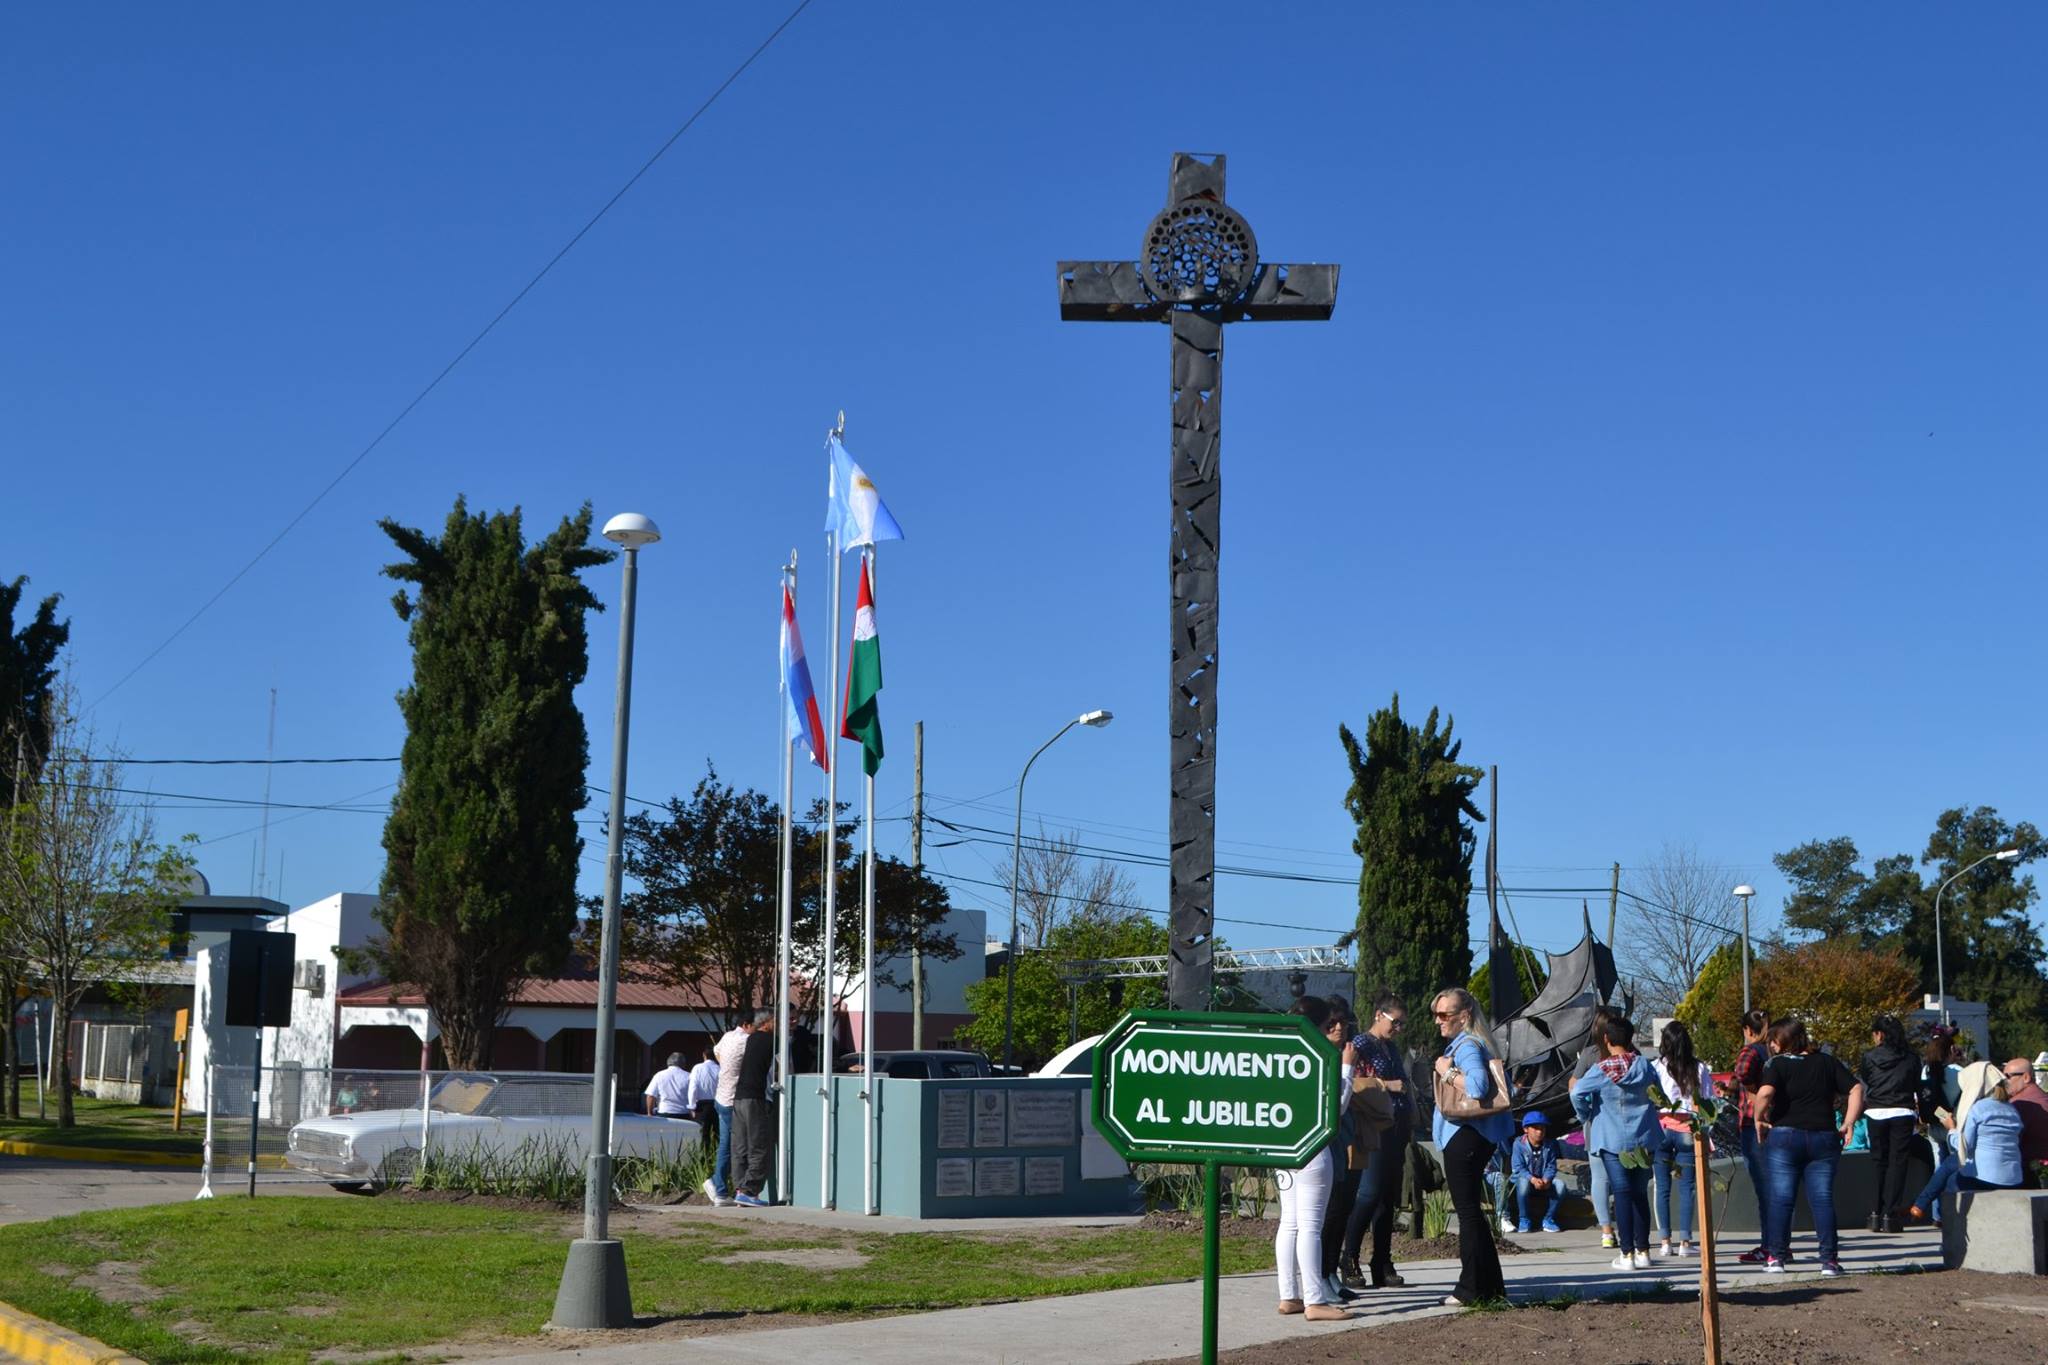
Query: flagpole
{"type": "Point", "coordinates": [869, 1090]}
{"type": "Point", "coordinates": [825, 1035]}
{"type": "Point", "coordinates": [786, 895]}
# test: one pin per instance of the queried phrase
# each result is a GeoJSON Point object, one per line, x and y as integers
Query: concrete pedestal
{"type": "Point", "coordinates": [594, 1292]}
{"type": "Point", "coordinates": [2002, 1231]}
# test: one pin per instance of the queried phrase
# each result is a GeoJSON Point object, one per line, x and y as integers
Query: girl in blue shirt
{"type": "Point", "coordinates": [1613, 1101]}
{"type": "Point", "coordinates": [1467, 1145]}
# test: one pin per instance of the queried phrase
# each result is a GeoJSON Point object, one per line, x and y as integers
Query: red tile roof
{"type": "Point", "coordinates": [574, 987]}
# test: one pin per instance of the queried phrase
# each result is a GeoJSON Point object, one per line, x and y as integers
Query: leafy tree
{"type": "Point", "coordinates": [90, 885]}
{"type": "Point", "coordinates": [1990, 948]}
{"type": "Point", "coordinates": [1528, 973]}
{"type": "Point", "coordinates": [481, 846]}
{"type": "Point", "coordinates": [1836, 987]}
{"type": "Point", "coordinates": [1412, 800]}
{"type": "Point", "coordinates": [28, 671]}
{"type": "Point", "coordinates": [1714, 1043]}
{"type": "Point", "coordinates": [706, 916]}
{"type": "Point", "coordinates": [1044, 1009]}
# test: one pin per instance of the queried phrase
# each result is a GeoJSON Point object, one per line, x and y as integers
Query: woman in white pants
{"type": "Point", "coordinates": [1304, 1200]}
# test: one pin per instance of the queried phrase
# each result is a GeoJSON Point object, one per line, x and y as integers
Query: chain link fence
{"type": "Point", "coordinates": [354, 1126]}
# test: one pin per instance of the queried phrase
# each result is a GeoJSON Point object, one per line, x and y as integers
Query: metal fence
{"type": "Point", "coordinates": [351, 1126]}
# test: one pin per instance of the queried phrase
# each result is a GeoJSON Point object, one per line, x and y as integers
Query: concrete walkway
{"type": "Point", "coordinates": [1125, 1326]}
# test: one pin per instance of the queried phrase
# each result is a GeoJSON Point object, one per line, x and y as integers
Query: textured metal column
{"type": "Point", "coordinates": [1196, 479]}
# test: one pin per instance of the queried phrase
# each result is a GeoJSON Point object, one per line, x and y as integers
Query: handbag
{"type": "Point", "coordinates": [1372, 1113]}
{"type": "Point", "coordinates": [1453, 1103]}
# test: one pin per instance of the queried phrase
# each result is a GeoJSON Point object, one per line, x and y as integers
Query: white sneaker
{"type": "Point", "coordinates": [1642, 1260]}
{"type": "Point", "coordinates": [1622, 1262]}
{"type": "Point", "coordinates": [1507, 1225]}
{"type": "Point", "coordinates": [1663, 1251]}
{"type": "Point", "coordinates": [1687, 1249]}
{"type": "Point", "coordinates": [711, 1193]}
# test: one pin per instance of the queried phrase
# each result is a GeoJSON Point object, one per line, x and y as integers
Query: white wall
{"type": "Point", "coordinates": [945, 983]}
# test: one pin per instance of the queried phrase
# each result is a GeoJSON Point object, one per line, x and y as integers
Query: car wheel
{"type": "Point", "coordinates": [395, 1169]}
{"type": "Point", "coordinates": [353, 1186]}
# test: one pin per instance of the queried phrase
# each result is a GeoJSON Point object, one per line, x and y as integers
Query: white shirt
{"type": "Point", "coordinates": [670, 1089]}
{"type": "Point", "coordinates": [703, 1082]}
{"type": "Point", "coordinates": [1668, 1083]}
{"type": "Point", "coordinates": [728, 1054]}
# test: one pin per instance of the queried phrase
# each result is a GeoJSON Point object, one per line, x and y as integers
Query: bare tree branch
{"type": "Point", "coordinates": [1680, 912]}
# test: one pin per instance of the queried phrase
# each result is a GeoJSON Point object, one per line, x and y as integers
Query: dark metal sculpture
{"type": "Point", "coordinates": [1540, 1043]}
{"type": "Point", "coordinates": [1199, 269]}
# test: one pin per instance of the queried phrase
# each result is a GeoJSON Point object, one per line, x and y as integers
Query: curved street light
{"type": "Point", "coordinates": [2004, 855]}
{"type": "Point", "coordinates": [1094, 720]}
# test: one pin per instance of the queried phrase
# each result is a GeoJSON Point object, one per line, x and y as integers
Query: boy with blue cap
{"type": "Point", "coordinates": [1534, 1167]}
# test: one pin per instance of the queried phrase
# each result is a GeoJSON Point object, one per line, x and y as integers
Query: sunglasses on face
{"type": "Point", "coordinates": [1446, 1014]}
{"type": "Point", "coordinates": [1395, 1019]}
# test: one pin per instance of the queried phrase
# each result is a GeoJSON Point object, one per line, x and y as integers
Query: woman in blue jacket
{"type": "Point", "coordinates": [1613, 1101]}
{"type": "Point", "coordinates": [1467, 1145]}
{"type": "Point", "coordinates": [1987, 1151]}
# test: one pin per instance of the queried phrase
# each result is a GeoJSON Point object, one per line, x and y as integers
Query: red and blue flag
{"type": "Point", "coordinates": [805, 722]}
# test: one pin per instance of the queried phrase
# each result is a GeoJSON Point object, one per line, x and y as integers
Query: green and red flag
{"type": "Point", "coordinates": [863, 717]}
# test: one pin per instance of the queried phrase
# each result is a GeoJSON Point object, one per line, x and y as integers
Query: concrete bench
{"type": "Point", "coordinates": [2002, 1231]}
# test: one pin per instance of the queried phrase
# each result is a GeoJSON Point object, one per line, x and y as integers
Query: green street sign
{"type": "Point", "coordinates": [1239, 1089]}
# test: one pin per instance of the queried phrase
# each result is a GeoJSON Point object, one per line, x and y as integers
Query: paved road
{"type": "Point", "coordinates": [34, 1188]}
{"type": "Point", "coordinates": [1125, 1326]}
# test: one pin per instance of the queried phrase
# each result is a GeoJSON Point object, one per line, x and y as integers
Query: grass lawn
{"type": "Point", "coordinates": [104, 1123]}
{"type": "Point", "coordinates": [279, 1279]}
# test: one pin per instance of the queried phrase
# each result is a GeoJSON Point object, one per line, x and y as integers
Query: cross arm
{"type": "Point", "coordinates": [1112, 291]}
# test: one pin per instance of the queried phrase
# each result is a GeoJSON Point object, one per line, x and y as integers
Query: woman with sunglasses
{"type": "Point", "coordinates": [1467, 1145]}
{"type": "Point", "coordinates": [1381, 1066]}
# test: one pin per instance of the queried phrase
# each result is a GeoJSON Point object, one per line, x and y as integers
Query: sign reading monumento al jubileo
{"type": "Point", "coordinates": [1243, 1089]}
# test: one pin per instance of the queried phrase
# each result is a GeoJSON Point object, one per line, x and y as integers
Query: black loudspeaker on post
{"type": "Point", "coordinates": [260, 978]}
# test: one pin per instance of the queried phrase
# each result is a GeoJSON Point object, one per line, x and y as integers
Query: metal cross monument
{"type": "Point", "coordinates": [1199, 268]}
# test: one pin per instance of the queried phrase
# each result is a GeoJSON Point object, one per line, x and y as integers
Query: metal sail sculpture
{"type": "Point", "coordinates": [1540, 1042]}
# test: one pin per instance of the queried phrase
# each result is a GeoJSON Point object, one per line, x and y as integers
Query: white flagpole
{"type": "Point", "coordinates": [870, 1091]}
{"type": "Point", "coordinates": [785, 911]}
{"type": "Point", "coordinates": [825, 1191]}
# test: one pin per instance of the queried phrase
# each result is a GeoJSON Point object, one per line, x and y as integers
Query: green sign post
{"type": "Point", "coordinates": [1215, 1090]}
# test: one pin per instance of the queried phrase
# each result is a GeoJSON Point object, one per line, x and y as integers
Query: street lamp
{"type": "Point", "coordinates": [1095, 720]}
{"type": "Point", "coordinates": [2004, 855]}
{"type": "Point", "coordinates": [594, 1292]}
{"type": "Point", "coordinates": [1743, 893]}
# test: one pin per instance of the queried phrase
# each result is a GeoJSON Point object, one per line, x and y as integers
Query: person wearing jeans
{"type": "Point", "coordinates": [730, 1048]}
{"type": "Point", "coordinates": [1685, 1081]}
{"type": "Point", "coordinates": [1596, 1169]}
{"type": "Point", "coordinates": [1986, 1155]}
{"type": "Point", "coordinates": [1613, 1101]}
{"type": "Point", "coordinates": [1468, 1145]}
{"type": "Point", "coordinates": [1749, 1074]}
{"type": "Point", "coordinates": [1802, 1141]}
{"type": "Point", "coordinates": [1674, 1167]}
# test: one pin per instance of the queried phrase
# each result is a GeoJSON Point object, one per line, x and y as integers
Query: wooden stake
{"type": "Point", "coordinates": [1710, 1301]}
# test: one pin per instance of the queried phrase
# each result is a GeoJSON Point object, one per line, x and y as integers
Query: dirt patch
{"type": "Point", "coordinates": [1402, 1248]}
{"type": "Point", "coordinates": [117, 1282]}
{"type": "Point", "coordinates": [1862, 1320]}
{"type": "Point", "coordinates": [803, 1258]}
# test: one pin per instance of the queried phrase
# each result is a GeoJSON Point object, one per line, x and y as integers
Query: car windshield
{"type": "Point", "coordinates": [964, 1069]}
{"type": "Point", "coordinates": [463, 1093]}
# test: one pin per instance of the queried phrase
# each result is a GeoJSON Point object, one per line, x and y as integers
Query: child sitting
{"type": "Point", "coordinates": [1534, 1166]}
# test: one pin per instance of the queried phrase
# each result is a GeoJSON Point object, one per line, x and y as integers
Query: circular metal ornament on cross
{"type": "Point", "coordinates": [1199, 251]}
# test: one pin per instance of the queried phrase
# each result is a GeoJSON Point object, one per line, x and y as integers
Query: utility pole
{"type": "Point", "coordinates": [1613, 899]}
{"type": "Point", "coordinates": [917, 866]}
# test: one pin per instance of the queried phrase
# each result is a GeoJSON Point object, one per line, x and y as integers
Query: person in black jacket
{"type": "Point", "coordinates": [1891, 1086]}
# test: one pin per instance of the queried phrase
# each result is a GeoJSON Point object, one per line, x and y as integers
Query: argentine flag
{"type": "Point", "coordinates": [854, 510]}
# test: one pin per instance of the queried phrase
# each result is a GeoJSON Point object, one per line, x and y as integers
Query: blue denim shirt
{"type": "Point", "coordinates": [1617, 1113]}
{"type": "Point", "coordinates": [1991, 1134]}
{"type": "Point", "coordinates": [1470, 1059]}
{"type": "Point", "coordinates": [1540, 1160]}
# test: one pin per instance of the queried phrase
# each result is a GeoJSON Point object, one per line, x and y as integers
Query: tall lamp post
{"type": "Point", "coordinates": [1094, 720]}
{"type": "Point", "coordinates": [1743, 894]}
{"type": "Point", "coordinates": [2004, 855]}
{"type": "Point", "coordinates": [594, 1292]}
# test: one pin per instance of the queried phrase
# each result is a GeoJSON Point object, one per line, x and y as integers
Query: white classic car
{"type": "Point", "coordinates": [469, 1112]}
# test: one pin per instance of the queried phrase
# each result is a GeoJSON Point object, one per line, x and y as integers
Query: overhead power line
{"type": "Point", "coordinates": [462, 354]}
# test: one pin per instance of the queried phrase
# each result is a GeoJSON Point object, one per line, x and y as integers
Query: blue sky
{"type": "Point", "coordinates": [1678, 428]}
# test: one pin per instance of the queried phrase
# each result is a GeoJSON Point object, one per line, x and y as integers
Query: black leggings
{"type": "Point", "coordinates": [1889, 1141]}
{"type": "Point", "coordinates": [1465, 1159]}
{"type": "Point", "coordinates": [1343, 1193]}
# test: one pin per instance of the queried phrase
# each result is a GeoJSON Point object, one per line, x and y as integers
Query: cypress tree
{"type": "Point", "coordinates": [481, 848]}
{"type": "Point", "coordinates": [1412, 800]}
